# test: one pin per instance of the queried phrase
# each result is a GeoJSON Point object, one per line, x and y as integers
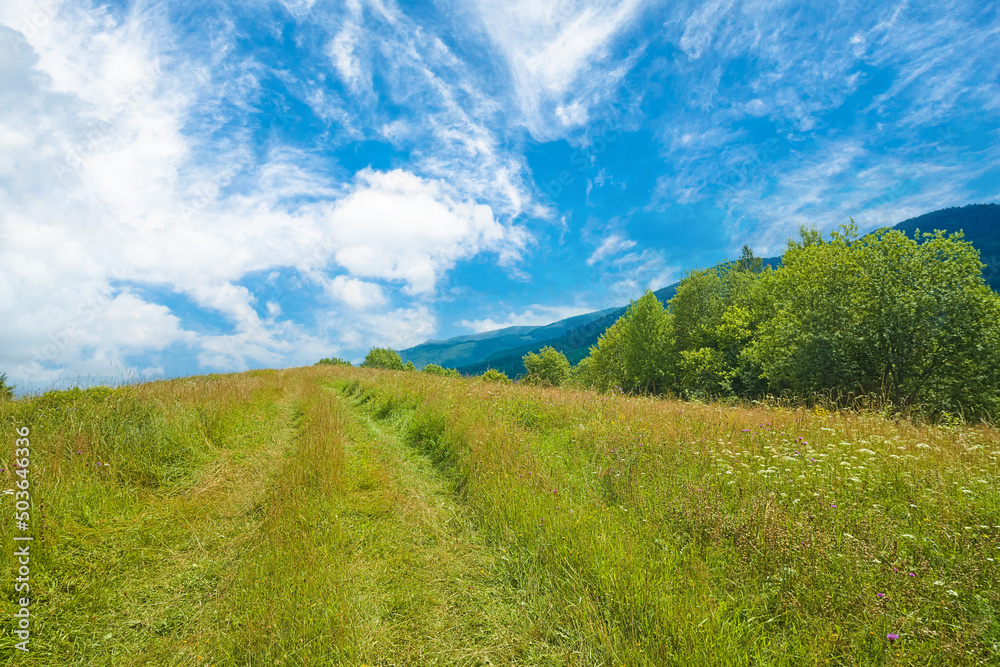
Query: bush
{"type": "Point", "coordinates": [333, 361]}
{"type": "Point", "coordinates": [383, 357]}
{"type": "Point", "coordinates": [549, 367]}
{"type": "Point", "coordinates": [493, 375]}
{"type": "Point", "coordinates": [434, 369]}
{"type": "Point", "coordinates": [6, 390]}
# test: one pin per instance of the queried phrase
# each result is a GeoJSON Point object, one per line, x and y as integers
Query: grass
{"type": "Point", "coordinates": [340, 516]}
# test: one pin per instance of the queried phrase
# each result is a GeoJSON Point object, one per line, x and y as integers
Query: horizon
{"type": "Point", "coordinates": [204, 190]}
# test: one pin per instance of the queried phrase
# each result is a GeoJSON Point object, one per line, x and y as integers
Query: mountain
{"type": "Point", "coordinates": [979, 222]}
{"type": "Point", "coordinates": [505, 348]}
{"type": "Point", "coordinates": [463, 350]}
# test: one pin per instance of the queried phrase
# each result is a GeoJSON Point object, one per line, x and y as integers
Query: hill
{"type": "Point", "coordinates": [979, 222]}
{"type": "Point", "coordinates": [349, 516]}
{"type": "Point", "coordinates": [463, 350]}
{"type": "Point", "coordinates": [505, 348]}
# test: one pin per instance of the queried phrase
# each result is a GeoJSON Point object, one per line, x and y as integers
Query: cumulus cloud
{"type": "Point", "coordinates": [398, 226]}
{"type": "Point", "coordinates": [105, 190]}
{"type": "Point", "coordinates": [356, 293]}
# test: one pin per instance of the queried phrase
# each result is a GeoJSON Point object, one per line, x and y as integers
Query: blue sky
{"type": "Point", "coordinates": [214, 186]}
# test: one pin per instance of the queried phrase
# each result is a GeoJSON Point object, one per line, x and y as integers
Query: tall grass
{"type": "Point", "coordinates": [661, 532]}
{"type": "Point", "coordinates": [346, 516]}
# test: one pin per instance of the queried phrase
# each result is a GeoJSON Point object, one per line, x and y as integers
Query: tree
{"type": "Point", "coordinates": [910, 324]}
{"type": "Point", "coordinates": [383, 357]}
{"type": "Point", "coordinates": [6, 390]}
{"type": "Point", "coordinates": [333, 361]}
{"type": "Point", "coordinates": [434, 369]}
{"type": "Point", "coordinates": [716, 313]}
{"type": "Point", "coordinates": [582, 375]}
{"type": "Point", "coordinates": [636, 352]}
{"type": "Point", "coordinates": [493, 375]}
{"type": "Point", "coordinates": [548, 367]}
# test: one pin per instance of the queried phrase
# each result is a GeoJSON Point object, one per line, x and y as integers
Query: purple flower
{"type": "Point", "coordinates": [912, 575]}
{"type": "Point", "coordinates": [834, 505]}
{"type": "Point", "coordinates": [892, 637]}
{"type": "Point", "coordinates": [881, 595]}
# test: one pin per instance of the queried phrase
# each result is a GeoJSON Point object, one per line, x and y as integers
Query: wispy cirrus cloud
{"type": "Point", "coordinates": [535, 315]}
{"type": "Point", "coordinates": [560, 57]}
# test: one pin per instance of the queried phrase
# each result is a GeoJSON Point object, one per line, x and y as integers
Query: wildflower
{"type": "Point", "coordinates": [881, 595]}
{"type": "Point", "coordinates": [892, 637]}
{"type": "Point", "coordinates": [912, 575]}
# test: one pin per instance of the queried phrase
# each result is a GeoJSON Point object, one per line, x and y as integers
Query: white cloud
{"type": "Point", "coordinates": [611, 245]}
{"type": "Point", "coordinates": [558, 55]}
{"type": "Point", "coordinates": [103, 185]}
{"type": "Point", "coordinates": [533, 316]}
{"type": "Point", "coordinates": [398, 226]}
{"type": "Point", "coordinates": [342, 49]}
{"type": "Point", "coordinates": [356, 293]}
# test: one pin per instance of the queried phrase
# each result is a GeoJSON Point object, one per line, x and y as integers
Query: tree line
{"type": "Point", "coordinates": [882, 321]}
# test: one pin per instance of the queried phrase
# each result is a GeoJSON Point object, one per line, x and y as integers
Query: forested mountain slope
{"type": "Point", "coordinates": [503, 349]}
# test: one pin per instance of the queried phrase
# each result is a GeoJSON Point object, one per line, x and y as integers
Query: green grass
{"type": "Point", "coordinates": [339, 516]}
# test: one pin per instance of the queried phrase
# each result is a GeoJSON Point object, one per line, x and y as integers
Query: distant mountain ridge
{"type": "Point", "coordinates": [464, 350]}
{"type": "Point", "coordinates": [504, 349]}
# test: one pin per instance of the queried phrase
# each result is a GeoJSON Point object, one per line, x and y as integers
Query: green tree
{"type": "Point", "coordinates": [493, 375]}
{"type": "Point", "coordinates": [911, 324]}
{"type": "Point", "coordinates": [716, 313]}
{"type": "Point", "coordinates": [582, 375]}
{"type": "Point", "coordinates": [548, 367]}
{"type": "Point", "coordinates": [434, 369]}
{"type": "Point", "coordinates": [636, 352]}
{"type": "Point", "coordinates": [383, 357]}
{"type": "Point", "coordinates": [6, 390]}
{"type": "Point", "coordinates": [333, 361]}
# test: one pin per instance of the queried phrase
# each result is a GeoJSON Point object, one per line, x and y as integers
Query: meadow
{"type": "Point", "coordinates": [351, 516]}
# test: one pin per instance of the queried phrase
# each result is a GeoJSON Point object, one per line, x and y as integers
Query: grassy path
{"type": "Point", "coordinates": [309, 534]}
{"type": "Point", "coordinates": [427, 591]}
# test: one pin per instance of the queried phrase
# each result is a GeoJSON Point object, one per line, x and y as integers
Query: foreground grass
{"type": "Point", "coordinates": [344, 516]}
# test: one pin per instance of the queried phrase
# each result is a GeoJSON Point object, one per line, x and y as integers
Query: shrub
{"type": "Point", "coordinates": [493, 375]}
{"type": "Point", "coordinates": [434, 369]}
{"type": "Point", "coordinates": [333, 361]}
{"type": "Point", "coordinates": [383, 357]}
{"type": "Point", "coordinates": [6, 390]}
{"type": "Point", "coordinates": [549, 367]}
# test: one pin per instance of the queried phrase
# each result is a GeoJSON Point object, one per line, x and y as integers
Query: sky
{"type": "Point", "coordinates": [199, 187]}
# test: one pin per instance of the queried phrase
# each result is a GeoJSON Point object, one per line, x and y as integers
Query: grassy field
{"type": "Point", "coordinates": [339, 516]}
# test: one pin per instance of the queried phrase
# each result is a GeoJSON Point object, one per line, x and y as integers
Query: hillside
{"type": "Point", "coordinates": [463, 350]}
{"type": "Point", "coordinates": [979, 222]}
{"type": "Point", "coordinates": [346, 516]}
{"type": "Point", "coordinates": [505, 348]}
